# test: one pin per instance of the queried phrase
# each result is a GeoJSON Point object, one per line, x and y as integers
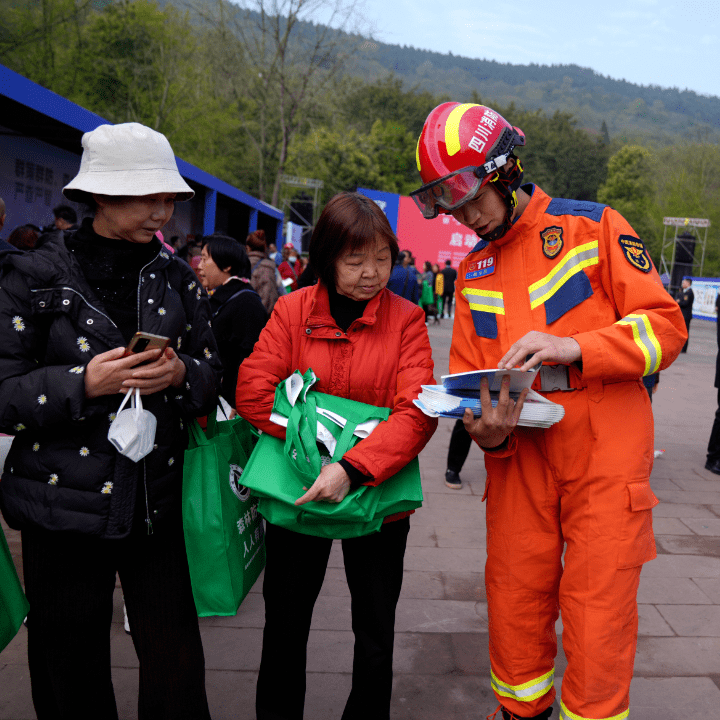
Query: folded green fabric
{"type": "Point", "coordinates": [279, 471]}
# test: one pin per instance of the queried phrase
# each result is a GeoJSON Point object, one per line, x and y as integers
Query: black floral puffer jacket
{"type": "Point", "coordinates": [62, 473]}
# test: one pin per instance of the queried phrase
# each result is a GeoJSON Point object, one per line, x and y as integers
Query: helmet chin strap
{"type": "Point", "coordinates": [505, 183]}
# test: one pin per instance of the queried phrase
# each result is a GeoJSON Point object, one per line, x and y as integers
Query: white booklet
{"type": "Point", "coordinates": [462, 390]}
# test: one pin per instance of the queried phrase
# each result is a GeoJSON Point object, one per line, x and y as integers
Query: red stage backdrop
{"type": "Point", "coordinates": [438, 240]}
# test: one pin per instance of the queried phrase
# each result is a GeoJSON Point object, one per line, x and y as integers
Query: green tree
{"type": "Point", "coordinates": [564, 160]}
{"type": "Point", "coordinates": [630, 190]}
{"type": "Point", "coordinates": [386, 99]}
{"type": "Point", "coordinates": [288, 64]}
{"type": "Point", "coordinates": [139, 63]}
{"type": "Point", "coordinates": [687, 184]}
{"type": "Point", "coordinates": [36, 37]}
{"type": "Point", "coordinates": [341, 159]}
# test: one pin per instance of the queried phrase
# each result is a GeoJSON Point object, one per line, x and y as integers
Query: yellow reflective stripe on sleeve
{"type": "Point", "coordinates": [576, 260]}
{"type": "Point", "coordinates": [527, 692]}
{"type": "Point", "coordinates": [565, 714]}
{"type": "Point", "coordinates": [645, 339]}
{"type": "Point", "coordinates": [485, 300]}
{"type": "Point", "coordinates": [452, 128]}
{"type": "Point", "coordinates": [417, 155]}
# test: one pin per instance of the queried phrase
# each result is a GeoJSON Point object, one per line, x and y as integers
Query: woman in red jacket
{"type": "Point", "coordinates": [367, 344]}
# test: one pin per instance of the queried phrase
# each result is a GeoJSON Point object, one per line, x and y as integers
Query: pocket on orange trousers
{"type": "Point", "coordinates": [637, 541]}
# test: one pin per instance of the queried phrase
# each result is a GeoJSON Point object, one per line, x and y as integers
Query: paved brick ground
{"type": "Point", "coordinates": [441, 647]}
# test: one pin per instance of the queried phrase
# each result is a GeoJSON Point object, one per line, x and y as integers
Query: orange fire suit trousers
{"type": "Point", "coordinates": [580, 487]}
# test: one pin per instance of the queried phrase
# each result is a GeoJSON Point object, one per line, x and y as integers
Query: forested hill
{"type": "Point", "coordinates": [650, 114]}
{"type": "Point", "coordinates": [628, 110]}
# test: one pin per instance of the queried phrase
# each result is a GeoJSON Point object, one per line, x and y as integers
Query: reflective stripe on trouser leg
{"type": "Point", "coordinates": [528, 691]}
{"type": "Point", "coordinates": [522, 577]}
{"type": "Point", "coordinates": [565, 714]}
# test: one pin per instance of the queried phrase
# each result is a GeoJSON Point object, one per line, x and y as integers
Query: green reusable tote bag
{"type": "Point", "coordinates": [13, 603]}
{"type": "Point", "coordinates": [223, 529]}
{"type": "Point", "coordinates": [278, 471]}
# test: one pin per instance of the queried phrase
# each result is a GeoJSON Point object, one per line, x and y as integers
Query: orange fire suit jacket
{"type": "Point", "coordinates": [381, 360]}
{"type": "Point", "coordinates": [568, 268]}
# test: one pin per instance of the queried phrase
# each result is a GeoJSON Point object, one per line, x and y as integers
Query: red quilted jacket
{"type": "Point", "coordinates": [381, 360]}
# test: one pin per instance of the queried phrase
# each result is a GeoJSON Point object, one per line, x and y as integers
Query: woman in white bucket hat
{"type": "Point", "coordinates": [85, 511]}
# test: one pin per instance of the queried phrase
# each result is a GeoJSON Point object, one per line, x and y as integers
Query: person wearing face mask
{"type": "Point", "coordinates": [290, 267]}
{"type": "Point", "coordinates": [566, 285]}
{"type": "Point", "coordinates": [85, 511]}
{"type": "Point", "coordinates": [367, 344]}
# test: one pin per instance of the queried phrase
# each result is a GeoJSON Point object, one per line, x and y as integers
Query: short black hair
{"type": "Point", "coordinates": [228, 252]}
{"type": "Point", "coordinates": [348, 222]}
{"type": "Point", "coordinates": [24, 237]}
{"type": "Point", "coordinates": [65, 212]}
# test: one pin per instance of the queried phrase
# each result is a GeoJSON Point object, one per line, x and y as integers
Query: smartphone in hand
{"type": "Point", "coordinates": [142, 341]}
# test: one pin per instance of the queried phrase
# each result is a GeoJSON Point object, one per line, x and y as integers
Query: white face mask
{"type": "Point", "coordinates": [133, 430]}
{"type": "Point", "coordinates": [292, 259]}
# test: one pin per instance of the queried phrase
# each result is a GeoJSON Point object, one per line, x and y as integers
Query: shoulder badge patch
{"type": "Point", "coordinates": [635, 252]}
{"type": "Point", "coordinates": [480, 268]}
{"type": "Point", "coordinates": [552, 241]}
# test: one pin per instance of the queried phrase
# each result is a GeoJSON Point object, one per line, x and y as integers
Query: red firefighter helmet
{"type": "Point", "coordinates": [462, 147]}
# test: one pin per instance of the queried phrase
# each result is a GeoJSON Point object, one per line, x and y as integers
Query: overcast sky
{"type": "Point", "coordinates": [671, 43]}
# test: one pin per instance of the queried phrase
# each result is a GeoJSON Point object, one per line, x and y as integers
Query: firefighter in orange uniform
{"type": "Point", "coordinates": [568, 284]}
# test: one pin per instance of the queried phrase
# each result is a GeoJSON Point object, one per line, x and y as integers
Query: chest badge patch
{"type": "Point", "coordinates": [552, 238]}
{"type": "Point", "coordinates": [481, 268]}
{"type": "Point", "coordinates": [635, 252]}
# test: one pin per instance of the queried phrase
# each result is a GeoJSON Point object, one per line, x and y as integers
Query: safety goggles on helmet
{"type": "Point", "coordinates": [457, 188]}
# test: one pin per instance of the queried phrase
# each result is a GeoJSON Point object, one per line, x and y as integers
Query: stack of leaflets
{"type": "Point", "coordinates": [462, 390]}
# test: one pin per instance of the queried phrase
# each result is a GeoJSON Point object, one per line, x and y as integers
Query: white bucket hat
{"type": "Point", "coordinates": [126, 159]}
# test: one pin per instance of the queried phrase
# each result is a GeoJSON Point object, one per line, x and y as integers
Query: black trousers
{"type": "Point", "coordinates": [69, 581]}
{"type": "Point", "coordinates": [460, 442]}
{"type": "Point", "coordinates": [294, 574]}
{"type": "Point", "coordinates": [687, 327]}
{"type": "Point", "coordinates": [713, 451]}
{"type": "Point", "coordinates": [447, 302]}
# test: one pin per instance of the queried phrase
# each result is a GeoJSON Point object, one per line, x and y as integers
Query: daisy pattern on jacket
{"type": "Point", "coordinates": [53, 479]}
{"type": "Point", "coordinates": [18, 323]}
{"type": "Point", "coordinates": [77, 370]}
{"type": "Point", "coordinates": [84, 452]}
{"type": "Point", "coordinates": [36, 446]}
{"type": "Point", "coordinates": [162, 311]}
{"type": "Point", "coordinates": [207, 352]}
{"type": "Point", "coordinates": [42, 399]}
{"type": "Point", "coordinates": [107, 488]}
{"type": "Point", "coordinates": [83, 344]}
{"type": "Point", "coordinates": [112, 416]}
